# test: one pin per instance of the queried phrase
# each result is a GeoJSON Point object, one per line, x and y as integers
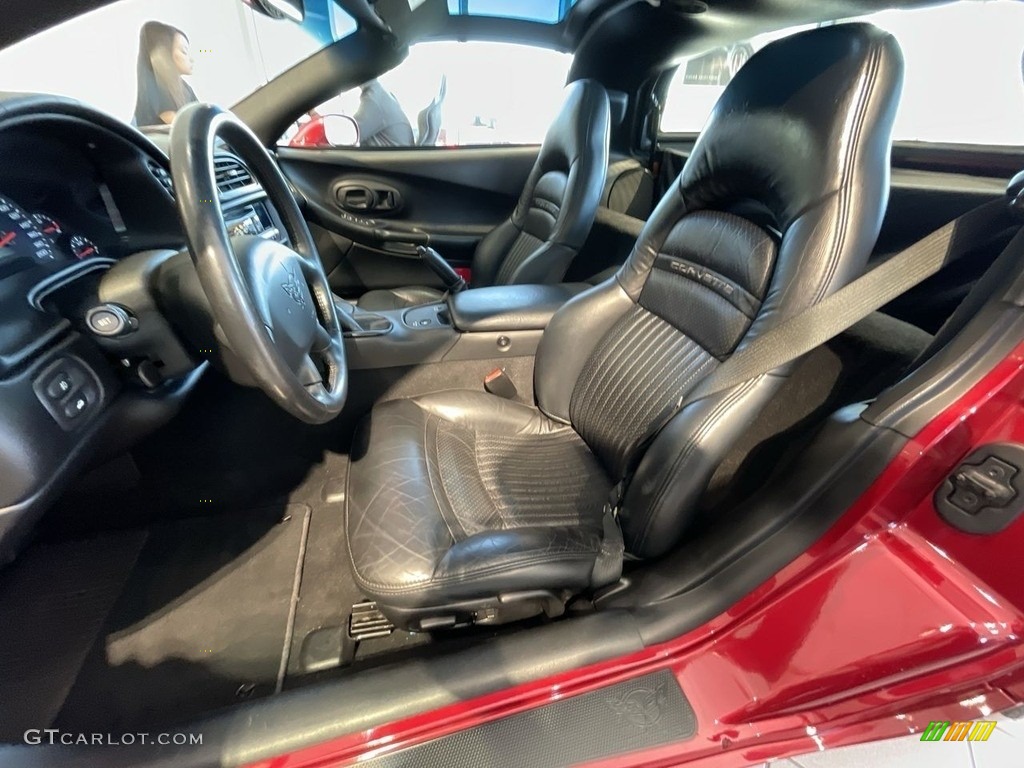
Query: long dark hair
{"type": "Point", "coordinates": [156, 63]}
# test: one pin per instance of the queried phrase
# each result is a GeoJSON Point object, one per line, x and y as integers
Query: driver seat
{"type": "Point", "coordinates": [464, 507]}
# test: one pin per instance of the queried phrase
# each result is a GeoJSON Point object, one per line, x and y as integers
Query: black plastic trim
{"type": "Point", "coordinates": [641, 713]}
{"type": "Point", "coordinates": [295, 719]}
{"type": "Point", "coordinates": [950, 373]}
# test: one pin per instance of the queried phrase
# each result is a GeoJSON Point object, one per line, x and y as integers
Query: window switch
{"type": "Point", "coordinates": [59, 386]}
{"type": "Point", "coordinates": [76, 406]}
{"type": "Point", "coordinates": [69, 391]}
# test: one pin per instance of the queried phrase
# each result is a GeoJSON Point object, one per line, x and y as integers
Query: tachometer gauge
{"type": "Point", "coordinates": [83, 247]}
{"type": "Point", "coordinates": [47, 226]}
{"type": "Point", "coordinates": [19, 235]}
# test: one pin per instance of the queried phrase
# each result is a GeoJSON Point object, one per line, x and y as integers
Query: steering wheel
{"type": "Point", "coordinates": [271, 302]}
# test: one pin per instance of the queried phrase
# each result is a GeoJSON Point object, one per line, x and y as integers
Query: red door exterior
{"type": "Point", "coordinates": [889, 621]}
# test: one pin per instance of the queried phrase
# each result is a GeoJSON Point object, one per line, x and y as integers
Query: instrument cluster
{"type": "Point", "coordinates": [38, 236]}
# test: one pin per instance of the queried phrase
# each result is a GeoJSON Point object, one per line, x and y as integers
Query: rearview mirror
{"type": "Point", "coordinates": [341, 131]}
{"type": "Point", "coordinates": [279, 9]}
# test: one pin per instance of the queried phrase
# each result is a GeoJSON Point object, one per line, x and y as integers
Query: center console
{"type": "Point", "coordinates": [476, 324]}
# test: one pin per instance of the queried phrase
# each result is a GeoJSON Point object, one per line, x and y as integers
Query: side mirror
{"type": "Point", "coordinates": [341, 131]}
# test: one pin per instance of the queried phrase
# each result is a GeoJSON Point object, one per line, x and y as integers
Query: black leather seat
{"type": "Point", "coordinates": [554, 214]}
{"type": "Point", "coordinates": [463, 506]}
{"type": "Point", "coordinates": [629, 188]}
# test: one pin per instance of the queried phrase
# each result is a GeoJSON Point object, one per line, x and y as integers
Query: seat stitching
{"type": "Point", "coordinates": [430, 482]}
{"type": "Point", "coordinates": [479, 474]}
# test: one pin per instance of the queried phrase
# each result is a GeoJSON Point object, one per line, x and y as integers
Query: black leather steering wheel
{"type": "Point", "coordinates": [271, 302]}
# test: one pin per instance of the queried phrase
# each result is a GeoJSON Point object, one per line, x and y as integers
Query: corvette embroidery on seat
{"type": "Point", "coordinates": [694, 272]}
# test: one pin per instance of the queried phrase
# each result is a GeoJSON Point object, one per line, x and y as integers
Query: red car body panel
{"type": "Point", "coordinates": [892, 619]}
{"type": "Point", "coordinates": [311, 135]}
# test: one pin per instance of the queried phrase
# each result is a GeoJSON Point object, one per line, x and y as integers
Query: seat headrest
{"type": "Point", "coordinates": [583, 122]}
{"type": "Point", "coordinates": [773, 135]}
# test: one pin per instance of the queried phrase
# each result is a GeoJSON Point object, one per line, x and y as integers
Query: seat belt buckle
{"type": "Point", "coordinates": [497, 382]}
{"type": "Point", "coordinates": [614, 503]}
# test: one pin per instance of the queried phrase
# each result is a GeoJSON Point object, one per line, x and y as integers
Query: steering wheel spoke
{"type": "Point", "coordinates": [309, 372]}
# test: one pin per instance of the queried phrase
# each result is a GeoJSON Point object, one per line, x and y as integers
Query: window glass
{"type": "Point", "coordinates": [963, 79]}
{"type": "Point", "coordinates": [546, 11]}
{"type": "Point", "coordinates": [213, 50]}
{"type": "Point", "coordinates": [449, 94]}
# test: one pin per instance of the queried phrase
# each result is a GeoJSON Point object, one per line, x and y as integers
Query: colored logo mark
{"type": "Point", "coordinates": [966, 731]}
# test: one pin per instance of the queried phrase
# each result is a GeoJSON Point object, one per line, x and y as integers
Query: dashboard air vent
{"type": "Point", "coordinates": [161, 175]}
{"type": "Point", "coordinates": [231, 174]}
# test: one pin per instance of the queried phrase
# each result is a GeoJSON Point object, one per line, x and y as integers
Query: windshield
{"type": "Point", "coordinates": [142, 60]}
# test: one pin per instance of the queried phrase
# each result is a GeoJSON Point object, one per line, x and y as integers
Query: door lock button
{"type": "Point", "coordinates": [76, 406]}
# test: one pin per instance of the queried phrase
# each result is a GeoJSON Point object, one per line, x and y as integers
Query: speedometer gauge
{"type": "Point", "coordinates": [48, 226]}
{"type": "Point", "coordinates": [19, 235]}
{"type": "Point", "coordinates": [83, 247]}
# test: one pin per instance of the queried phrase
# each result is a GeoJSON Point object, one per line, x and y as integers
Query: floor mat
{"type": "Point", "coordinates": [199, 613]}
{"type": "Point", "coordinates": [204, 620]}
{"type": "Point", "coordinates": [53, 603]}
{"type": "Point", "coordinates": [328, 590]}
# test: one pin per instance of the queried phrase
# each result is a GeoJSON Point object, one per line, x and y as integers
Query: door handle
{"type": "Point", "coordinates": [357, 199]}
{"type": "Point", "coordinates": [366, 198]}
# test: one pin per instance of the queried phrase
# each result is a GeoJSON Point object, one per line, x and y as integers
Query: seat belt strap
{"type": "Point", "coordinates": [809, 329]}
{"type": "Point", "coordinates": [608, 564]}
{"type": "Point", "coordinates": [836, 313]}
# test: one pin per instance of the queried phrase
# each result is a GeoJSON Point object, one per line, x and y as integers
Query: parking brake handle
{"type": "Point", "coordinates": [453, 282]}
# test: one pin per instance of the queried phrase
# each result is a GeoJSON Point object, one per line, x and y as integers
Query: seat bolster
{"type": "Point", "coordinates": [472, 408]}
{"type": "Point", "coordinates": [676, 469]}
{"type": "Point", "coordinates": [399, 298]}
{"type": "Point", "coordinates": [571, 335]}
{"type": "Point", "coordinates": [491, 251]}
{"type": "Point", "coordinates": [548, 264]}
{"type": "Point", "coordinates": [506, 561]}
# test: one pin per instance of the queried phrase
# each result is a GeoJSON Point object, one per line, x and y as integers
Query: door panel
{"type": "Point", "coordinates": [922, 201]}
{"type": "Point", "coordinates": [366, 206]}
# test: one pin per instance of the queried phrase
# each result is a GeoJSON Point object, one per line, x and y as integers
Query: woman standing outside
{"type": "Point", "coordinates": [164, 58]}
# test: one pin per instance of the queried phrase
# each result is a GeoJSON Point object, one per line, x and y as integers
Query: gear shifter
{"type": "Point", "coordinates": [358, 322]}
{"type": "Point", "coordinates": [453, 282]}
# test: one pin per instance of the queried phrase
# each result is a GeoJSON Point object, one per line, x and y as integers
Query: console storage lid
{"type": "Point", "coordinates": [509, 307]}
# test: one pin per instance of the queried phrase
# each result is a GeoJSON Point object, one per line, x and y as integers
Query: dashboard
{"type": "Point", "coordinates": [84, 199]}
